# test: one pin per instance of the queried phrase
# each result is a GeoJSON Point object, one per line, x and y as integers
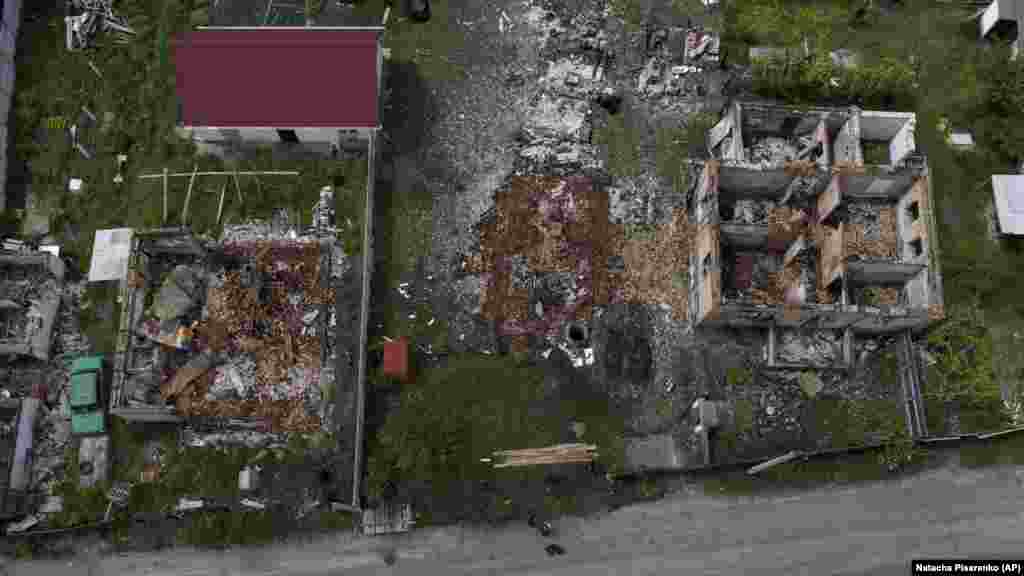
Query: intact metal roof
{"type": "Point", "coordinates": [1008, 191]}
{"type": "Point", "coordinates": [305, 78]}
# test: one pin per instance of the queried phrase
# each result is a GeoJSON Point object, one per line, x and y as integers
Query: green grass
{"type": "Point", "coordinates": [805, 475]}
{"type": "Point", "coordinates": [433, 46]}
{"type": "Point", "coordinates": [620, 139]}
{"type": "Point", "coordinates": [850, 422]}
{"type": "Point", "coordinates": [102, 333]}
{"type": "Point", "coordinates": [59, 83]}
{"type": "Point", "coordinates": [1000, 451]}
{"type": "Point", "coordinates": [501, 406]}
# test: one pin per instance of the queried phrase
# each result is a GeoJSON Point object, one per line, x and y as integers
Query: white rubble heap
{"type": "Point", "coordinates": [557, 117]}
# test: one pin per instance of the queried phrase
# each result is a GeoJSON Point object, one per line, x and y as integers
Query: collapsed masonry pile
{"type": "Point", "coordinates": [245, 333]}
{"type": "Point", "coordinates": [771, 151]}
{"type": "Point", "coordinates": [870, 231]}
{"type": "Point", "coordinates": [656, 265]}
{"type": "Point", "coordinates": [817, 348]}
{"type": "Point", "coordinates": [30, 296]}
{"type": "Point", "coordinates": [558, 124]}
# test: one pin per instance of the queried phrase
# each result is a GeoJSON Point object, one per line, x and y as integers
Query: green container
{"type": "Point", "coordinates": [91, 422]}
{"type": "Point", "coordinates": [84, 390]}
{"type": "Point", "coordinates": [87, 364]}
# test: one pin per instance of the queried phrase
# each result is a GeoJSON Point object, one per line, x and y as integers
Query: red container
{"type": "Point", "coordinates": [396, 359]}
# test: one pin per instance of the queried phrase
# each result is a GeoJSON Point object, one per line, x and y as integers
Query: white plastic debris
{"type": "Point", "coordinates": [770, 410]}
{"type": "Point", "coordinates": [75, 185]}
{"type": "Point", "coordinates": [670, 385]}
{"type": "Point", "coordinates": [309, 317]}
{"type": "Point", "coordinates": [545, 354]}
{"type": "Point", "coordinates": [253, 504]}
{"type": "Point", "coordinates": [22, 525]}
{"type": "Point", "coordinates": [186, 504]}
{"type": "Point", "coordinates": [52, 505]}
{"type": "Point", "coordinates": [431, 322]}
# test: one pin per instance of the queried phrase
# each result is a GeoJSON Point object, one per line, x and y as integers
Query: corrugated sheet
{"type": "Point", "coordinates": [278, 78]}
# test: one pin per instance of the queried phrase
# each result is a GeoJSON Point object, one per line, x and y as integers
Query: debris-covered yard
{"type": "Point", "coordinates": [246, 339]}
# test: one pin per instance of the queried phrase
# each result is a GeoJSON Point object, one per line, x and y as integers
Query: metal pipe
{"type": "Point", "coordinates": [364, 317]}
{"type": "Point", "coordinates": [317, 28]}
{"type": "Point", "coordinates": [182, 174]}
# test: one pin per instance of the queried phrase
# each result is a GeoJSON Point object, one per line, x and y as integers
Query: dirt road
{"type": "Point", "coordinates": [870, 529]}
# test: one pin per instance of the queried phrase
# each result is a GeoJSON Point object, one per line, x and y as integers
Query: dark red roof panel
{"type": "Point", "coordinates": [278, 78]}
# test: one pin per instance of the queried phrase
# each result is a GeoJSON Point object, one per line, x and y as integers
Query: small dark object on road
{"type": "Point", "coordinates": [610, 102]}
{"type": "Point", "coordinates": [531, 520]}
{"type": "Point", "coordinates": [546, 529]}
{"type": "Point", "coordinates": [419, 10]}
{"type": "Point", "coordinates": [554, 550]}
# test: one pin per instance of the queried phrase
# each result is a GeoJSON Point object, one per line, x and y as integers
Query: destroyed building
{"type": "Point", "coordinates": [813, 218]}
{"type": "Point", "coordinates": [30, 296]}
{"type": "Point", "coordinates": [239, 328]}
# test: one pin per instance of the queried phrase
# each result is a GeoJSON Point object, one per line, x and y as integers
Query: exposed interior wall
{"type": "Point", "coordinates": [831, 254]}
{"type": "Point", "coordinates": [707, 195]}
{"type": "Point", "coordinates": [830, 198]}
{"type": "Point", "coordinates": [821, 137]}
{"type": "Point", "coordinates": [903, 144]}
{"type": "Point", "coordinates": [846, 148]}
{"type": "Point", "coordinates": [912, 228]}
{"type": "Point", "coordinates": [919, 290]}
{"type": "Point", "coordinates": [735, 151]}
{"type": "Point", "coordinates": [707, 269]}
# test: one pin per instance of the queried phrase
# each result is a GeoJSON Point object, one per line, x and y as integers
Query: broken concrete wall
{"type": "Point", "coordinates": [912, 227]}
{"type": "Point", "coordinates": [831, 254]}
{"type": "Point", "coordinates": [903, 144]}
{"type": "Point", "coordinates": [707, 195]}
{"type": "Point", "coordinates": [846, 149]}
{"type": "Point", "coordinates": [924, 290]}
{"type": "Point", "coordinates": [706, 273]}
{"type": "Point", "coordinates": [830, 198]}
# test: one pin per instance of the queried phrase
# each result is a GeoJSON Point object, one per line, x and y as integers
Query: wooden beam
{"type": "Point", "coordinates": [223, 173]}
{"type": "Point", "coordinates": [238, 188]}
{"type": "Point", "coordinates": [787, 457]}
{"type": "Point", "coordinates": [188, 195]}
{"type": "Point", "coordinates": [220, 205]}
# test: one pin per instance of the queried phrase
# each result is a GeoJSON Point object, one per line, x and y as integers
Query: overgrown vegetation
{"type": "Point", "coordinates": [964, 375]}
{"type": "Point", "coordinates": [621, 138]}
{"type": "Point", "coordinates": [465, 410]}
{"type": "Point", "coordinates": [136, 110]}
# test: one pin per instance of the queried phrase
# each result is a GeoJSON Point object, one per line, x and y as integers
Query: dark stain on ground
{"type": "Point", "coordinates": [411, 108]}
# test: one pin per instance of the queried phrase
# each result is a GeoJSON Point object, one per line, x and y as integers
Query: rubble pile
{"type": "Point", "coordinates": [678, 61]}
{"type": "Point", "coordinates": [870, 231]}
{"type": "Point", "coordinates": [819, 348]}
{"type": "Point", "coordinates": [750, 211]}
{"type": "Point", "coordinates": [542, 226]}
{"type": "Point", "coordinates": [558, 117]}
{"type": "Point", "coordinates": [655, 266]}
{"type": "Point", "coordinates": [243, 333]}
{"type": "Point", "coordinates": [273, 345]}
{"type": "Point", "coordinates": [771, 152]}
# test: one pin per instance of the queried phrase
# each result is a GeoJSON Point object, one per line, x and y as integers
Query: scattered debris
{"type": "Point", "coordinates": [91, 17]}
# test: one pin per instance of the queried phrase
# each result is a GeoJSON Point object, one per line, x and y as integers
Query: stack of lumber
{"type": "Point", "coordinates": [559, 454]}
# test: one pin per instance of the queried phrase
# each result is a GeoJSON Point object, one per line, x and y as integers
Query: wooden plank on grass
{"type": "Point", "coordinates": [220, 205]}
{"type": "Point", "coordinates": [188, 195]}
